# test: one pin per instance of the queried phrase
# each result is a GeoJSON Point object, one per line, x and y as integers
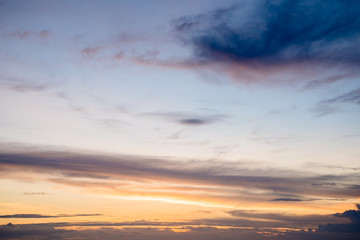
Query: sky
{"type": "Point", "coordinates": [167, 119]}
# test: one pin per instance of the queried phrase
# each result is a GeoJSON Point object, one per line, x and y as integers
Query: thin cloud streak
{"type": "Point", "coordinates": [44, 34]}
{"type": "Point", "coordinates": [349, 97]}
{"type": "Point", "coordinates": [188, 119]}
{"type": "Point", "coordinates": [286, 218]}
{"type": "Point", "coordinates": [47, 216]}
{"type": "Point", "coordinates": [22, 85]}
{"type": "Point", "coordinates": [34, 193]}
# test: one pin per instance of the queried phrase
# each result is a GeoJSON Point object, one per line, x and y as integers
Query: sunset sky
{"type": "Point", "coordinates": [191, 119]}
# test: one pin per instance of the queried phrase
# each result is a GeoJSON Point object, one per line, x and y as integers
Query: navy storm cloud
{"type": "Point", "coordinates": [276, 31]}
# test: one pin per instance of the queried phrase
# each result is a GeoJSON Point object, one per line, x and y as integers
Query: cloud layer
{"type": "Point", "coordinates": [197, 229]}
{"type": "Point", "coordinates": [190, 180]}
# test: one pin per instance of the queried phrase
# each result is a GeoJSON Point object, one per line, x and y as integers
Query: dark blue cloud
{"type": "Point", "coordinates": [353, 215]}
{"type": "Point", "coordinates": [277, 31]}
{"type": "Point", "coordinates": [352, 227]}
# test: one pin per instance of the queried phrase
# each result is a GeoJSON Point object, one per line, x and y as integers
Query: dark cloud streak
{"type": "Point", "coordinates": [47, 216]}
{"type": "Point", "coordinates": [287, 200]}
{"type": "Point", "coordinates": [188, 119]}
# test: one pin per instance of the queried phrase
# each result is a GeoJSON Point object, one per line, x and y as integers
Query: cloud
{"type": "Point", "coordinates": [271, 41]}
{"type": "Point", "coordinates": [353, 215]}
{"type": "Point", "coordinates": [209, 229]}
{"type": "Point", "coordinates": [130, 37]}
{"type": "Point", "coordinates": [277, 31]}
{"type": "Point", "coordinates": [99, 108]}
{"type": "Point", "coordinates": [53, 231]}
{"type": "Point", "coordinates": [41, 232]}
{"type": "Point", "coordinates": [195, 181]}
{"type": "Point", "coordinates": [352, 227]}
{"type": "Point", "coordinates": [22, 85]}
{"type": "Point", "coordinates": [46, 33]}
{"type": "Point", "coordinates": [324, 184]}
{"type": "Point", "coordinates": [306, 200]}
{"type": "Point", "coordinates": [90, 51]}
{"type": "Point", "coordinates": [30, 87]}
{"type": "Point", "coordinates": [284, 219]}
{"type": "Point", "coordinates": [329, 106]}
{"type": "Point", "coordinates": [24, 82]}
{"type": "Point", "coordinates": [243, 224]}
{"type": "Point", "coordinates": [287, 200]}
{"type": "Point", "coordinates": [329, 80]}
{"type": "Point", "coordinates": [321, 109]}
{"type": "Point", "coordinates": [188, 119]}
{"type": "Point", "coordinates": [46, 216]}
{"type": "Point", "coordinates": [34, 193]}
{"type": "Point", "coordinates": [341, 167]}
{"type": "Point", "coordinates": [349, 97]}
{"type": "Point", "coordinates": [193, 121]}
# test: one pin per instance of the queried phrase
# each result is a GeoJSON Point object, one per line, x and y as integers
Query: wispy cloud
{"type": "Point", "coordinates": [322, 109]}
{"type": "Point", "coordinates": [24, 85]}
{"type": "Point", "coordinates": [349, 97]}
{"type": "Point", "coordinates": [46, 33]}
{"type": "Point", "coordinates": [90, 51]}
{"type": "Point", "coordinates": [102, 112]}
{"type": "Point", "coordinates": [35, 193]}
{"type": "Point", "coordinates": [329, 80]}
{"type": "Point", "coordinates": [331, 105]}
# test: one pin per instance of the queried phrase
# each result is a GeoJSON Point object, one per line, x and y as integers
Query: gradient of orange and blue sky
{"type": "Point", "coordinates": [170, 119]}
